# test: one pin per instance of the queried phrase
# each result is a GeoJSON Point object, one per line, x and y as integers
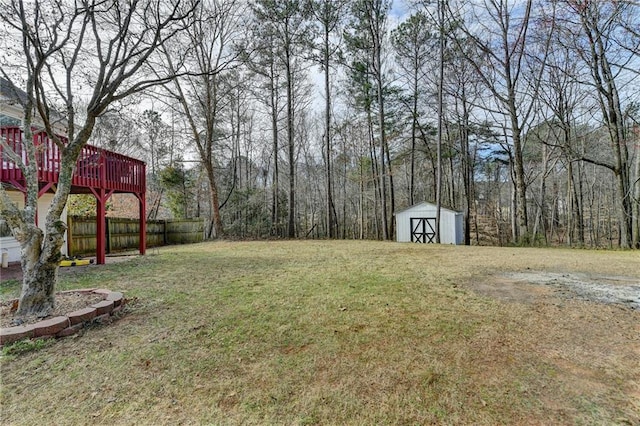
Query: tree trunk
{"type": "Point", "coordinates": [41, 250]}
{"type": "Point", "coordinates": [291, 226]}
{"type": "Point", "coordinates": [414, 131]}
{"type": "Point", "coordinates": [39, 276]}
{"type": "Point", "coordinates": [275, 213]}
{"type": "Point", "coordinates": [382, 174]}
{"type": "Point", "coordinates": [604, 79]}
{"type": "Point", "coordinates": [375, 174]}
{"type": "Point", "coordinates": [579, 198]}
{"type": "Point", "coordinates": [215, 203]}
{"type": "Point", "coordinates": [361, 203]}
{"type": "Point", "coordinates": [392, 194]}
{"type": "Point", "coordinates": [440, 118]}
{"type": "Point", "coordinates": [575, 215]}
{"type": "Point", "coordinates": [376, 35]}
{"type": "Point", "coordinates": [40, 261]}
{"type": "Point", "coordinates": [541, 219]}
{"type": "Point", "coordinates": [330, 211]}
{"type": "Point", "coordinates": [521, 218]}
{"type": "Point", "coordinates": [636, 184]}
{"type": "Point", "coordinates": [467, 171]}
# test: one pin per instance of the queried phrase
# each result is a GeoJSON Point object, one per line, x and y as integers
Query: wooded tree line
{"type": "Point", "coordinates": [318, 118]}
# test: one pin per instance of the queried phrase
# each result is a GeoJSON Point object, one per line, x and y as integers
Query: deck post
{"type": "Point", "coordinates": [143, 222]}
{"type": "Point", "coordinates": [102, 196]}
{"type": "Point", "coordinates": [100, 227]}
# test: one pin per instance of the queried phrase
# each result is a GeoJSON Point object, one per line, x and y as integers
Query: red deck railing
{"type": "Point", "coordinates": [96, 168]}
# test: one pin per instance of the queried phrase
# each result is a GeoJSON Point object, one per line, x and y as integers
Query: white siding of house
{"type": "Point", "coordinates": [10, 244]}
{"type": "Point", "coordinates": [451, 223]}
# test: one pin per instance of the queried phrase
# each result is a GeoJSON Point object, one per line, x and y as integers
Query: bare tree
{"type": "Point", "coordinates": [414, 41]}
{"type": "Point", "coordinates": [285, 24]}
{"type": "Point", "coordinates": [368, 34]}
{"type": "Point", "coordinates": [212, 53]}
{"type": "Point", "coordinates": [463, 89]}
{"type": "Point", "coordinates": [592, 28]}
{"type": "Point", "coordinates": [561, 96]}
{"type": "Point", "coordinates": [66, 50]}
{"type": "Point", "coordinates": [502, 39]}
{"type": "Point", "coordinates": [157, 142]}
{"type": "Point", "coordinates": [441, 112]}
{"type": "Point", "coordinates": [261, 57]}
{"type": "Point", "coordinates": [328, 15]}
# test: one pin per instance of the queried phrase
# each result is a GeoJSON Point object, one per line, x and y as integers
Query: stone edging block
{"type": "Point", "coordinates": [13, 334]}
{"type": "Point", "coordinates": [117, 298]}
{"type": "Point", "coordinates": [103, 307]}
{"type": "Point", "coordinates": [66, 325]}
{"type": "Point", "coordinates": [51, 326]}
{"type": "Point", "coordinates": [82, 315]}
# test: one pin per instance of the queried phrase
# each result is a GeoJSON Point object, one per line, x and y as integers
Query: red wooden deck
{"type": "Point", "coordinates": [96, 168]}
{"type": "Point", "coordinates": [98, 171]}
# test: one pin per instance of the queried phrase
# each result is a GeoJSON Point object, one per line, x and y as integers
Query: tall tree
{"type": "Point", "coordinates": [157, 142]}
{"type": "Point", "coordinates": [441, 112]}
{"type": "Point", "coordinates": [561, 96]}
{"type": "Point", "coordinates": [261, 57]}
{"type": "Point", "coordinates": [501, 35]}
{"type": "Point", "coordinates": [594, 29]}
{"type": "Point", "coordinates": [65, 50]}
{"type": "Point", "coordinates": [211, 54]}
{"type": "Point", "coordinates": [464, 90]}
{"type": "Point", "coordinates": [328, 16]}
{"type": "Point", "coordinates": [368, 33]}
{"type": "Point", "coordinates": [285, 23]}
{"type": "Point", "coordinates": [360, 100]}
{"type": "Point", "coordinates": [413, 41]}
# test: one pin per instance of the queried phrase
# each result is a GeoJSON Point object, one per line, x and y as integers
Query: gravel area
{"type": "Point", "coordinates": [595, 288]}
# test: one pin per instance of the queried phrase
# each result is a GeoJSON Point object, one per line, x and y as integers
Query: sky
{"type": "Point", "coordinates": [399, 9]}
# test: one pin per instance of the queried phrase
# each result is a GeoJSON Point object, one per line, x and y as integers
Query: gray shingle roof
{"type": "Point", "coordinates": [9, 90]}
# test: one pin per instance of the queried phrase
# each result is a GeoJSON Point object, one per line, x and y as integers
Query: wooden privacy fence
{"type": "Point", "coordinates": [123, 234]}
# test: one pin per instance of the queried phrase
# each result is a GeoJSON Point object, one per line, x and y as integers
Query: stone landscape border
{"type": "Point", "coordinates": [66, 325]}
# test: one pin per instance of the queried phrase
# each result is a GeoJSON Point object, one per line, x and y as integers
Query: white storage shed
{"type": "Point", "coordinates": [418, 222]}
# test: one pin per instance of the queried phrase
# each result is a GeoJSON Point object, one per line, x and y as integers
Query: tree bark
{"type": "Point", "coordinates": [383, 142]}
{"type": "Point", "coordinates": [275, 185]}
{"type": "Point", "coordinates": [440, 117]}
{"type": "Point", "coordinates": [636, 185]}
{"type": "Point", "coordinates": [291, 226]}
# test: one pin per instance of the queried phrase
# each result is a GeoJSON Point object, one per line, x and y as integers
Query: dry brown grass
{"type": "Point", "coordinates": [339, 333]}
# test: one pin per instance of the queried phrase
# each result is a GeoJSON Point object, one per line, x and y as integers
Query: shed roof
{"type": "Point", "coordinates": [425, 203]}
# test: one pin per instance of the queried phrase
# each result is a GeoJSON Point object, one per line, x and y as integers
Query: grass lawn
{"type": "Point", "coordinates": [319, 332]}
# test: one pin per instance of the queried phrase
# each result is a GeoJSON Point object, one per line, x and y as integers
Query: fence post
{"type": "Point", "coordinates": [108, 225]}
{"type": "Point", "coordinates": [165, 237]}
{"type": "Point", "coordinates": [69, 236]}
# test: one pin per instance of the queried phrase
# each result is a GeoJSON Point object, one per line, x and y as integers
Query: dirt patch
{"type": "Point", "coordinates": [531, 286]}
{"type": "Point", "coordinates": [65, 303]}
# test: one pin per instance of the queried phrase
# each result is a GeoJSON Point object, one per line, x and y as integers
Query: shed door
{"type": "Point", "coordinates": [423, 229]}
